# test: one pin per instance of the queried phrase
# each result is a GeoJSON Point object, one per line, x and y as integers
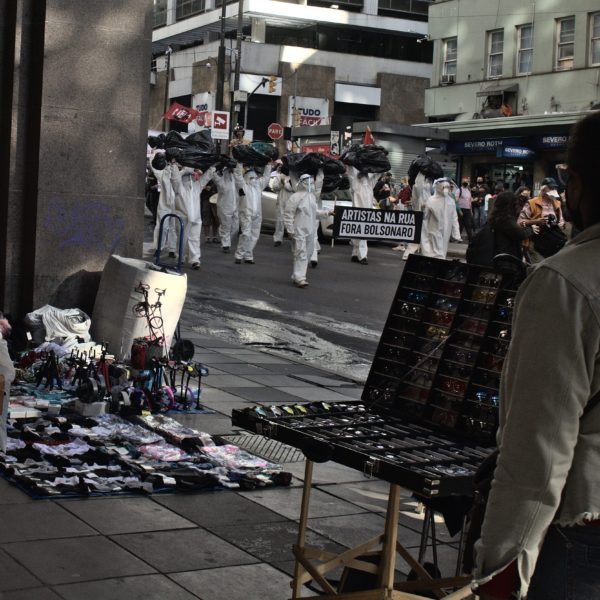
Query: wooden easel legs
{"type": "Point", "coordinates": [386, 545]}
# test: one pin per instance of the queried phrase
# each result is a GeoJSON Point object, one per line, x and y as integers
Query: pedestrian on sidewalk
{"type": "Point", "coordinates": [250, 186]}
{"type": "Point", "coordinates": [541, 534]}
{"type": "Point", "coordinates": [465, 201]}
{"type": "Point", "coordinates": [7, 370]}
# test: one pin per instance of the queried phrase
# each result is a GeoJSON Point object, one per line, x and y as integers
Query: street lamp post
{"type": "Point", "coordinates": [166, 101]}
{"type": "Point", "coordinates": [262, 83]}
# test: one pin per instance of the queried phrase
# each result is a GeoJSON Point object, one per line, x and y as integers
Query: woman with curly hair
{"type": "Point", "coordinates": [508, 235]}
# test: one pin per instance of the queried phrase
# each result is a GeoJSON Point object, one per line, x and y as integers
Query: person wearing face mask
{"type": "Point", "coordinates": [440, 221]}
{"type": "Point", "coordinates": [7, 371]}
{"type": "Point", "coordinates": [361, 185]}
{"type": "Point", "coordinates": [188, 184]}
{"type": "Point", "coordinates": [541, 533]}
{"type": "Point", "coordinates": [227, 206]}
{"type": "Point", "coordinates": [283, 185]}
{"type": "Point", "coordinates": [166, 204]}
{"type": "Point", "coordinates": [250, 187]}
{"type": "Point", "coordinates": [300, 215]}
{"type": "Point", "coordinates": [541, 210]}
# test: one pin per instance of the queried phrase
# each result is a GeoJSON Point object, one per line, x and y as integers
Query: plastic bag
{"type": "Point", "coordinates": [193, 157]}
{"type": "Point", "coordinates": [66, 327]}
{"type": "Point", "coordinates": [202, 140]}
{"type": "Point", "coordinates": [424, 164]}
{"type": "Point", "coordinates": [367, 158]}
{"type": "Point", "coordinates": [250, 156]}
{"type": "Point", "coordinates": [159, 162]}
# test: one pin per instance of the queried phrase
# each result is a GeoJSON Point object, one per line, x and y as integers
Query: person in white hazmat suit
{"type": "Point", "coordinates": [166, 205]}
{"type": "Point", "coordinates": [440, 221]}
{"type": "Point", "coordinates": [7, 371]}
{"type": "Point", "coordinates": [227, 206]}
{"type": "Point", "coordinates": [300, 215]}
{"type": "Point", "coordinates": [361, 185]}
{"type": "Point", "coordinates": [421, 192]}
{"type": "Point", "coordinates": [284, 186]}
{"type": "Point", "coordinates": [188, 184]}
{"type": "Point", "coordinates": [250, 187]}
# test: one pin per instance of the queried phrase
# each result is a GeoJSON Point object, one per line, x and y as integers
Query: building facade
{"type": "Point", "coordinates": [509, 79]}
{"type": "Point", "coordinates": [356, 60]}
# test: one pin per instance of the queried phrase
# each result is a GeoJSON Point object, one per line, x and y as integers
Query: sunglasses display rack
{"type": "Point", "coordinates": [429, 409]}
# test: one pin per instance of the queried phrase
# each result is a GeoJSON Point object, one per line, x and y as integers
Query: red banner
{"type": "Point", "coordinates": [368, 138]}
{"type": "Point", "coordinates": [322, 148]}
{"type": "Point", "coordinates": [180, 113]}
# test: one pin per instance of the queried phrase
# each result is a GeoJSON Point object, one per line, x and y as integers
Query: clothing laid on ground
{"type": "Point", "coordinates": [549, 459]}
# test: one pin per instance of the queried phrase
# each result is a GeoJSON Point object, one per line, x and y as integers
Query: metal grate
{"type": "Point", "coordinates": [265, 448]}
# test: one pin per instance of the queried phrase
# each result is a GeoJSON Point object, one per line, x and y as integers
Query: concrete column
{"type": "Point", "coordinates": [75, 102]}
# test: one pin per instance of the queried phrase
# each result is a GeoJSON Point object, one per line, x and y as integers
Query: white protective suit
{"type": "Point", "coordinates": [314, 256]}
{"type": "Point", "coordinates": [250, 206]}
{"type": "Point", "coordinates": [361, 186]}
{"type": "Point", "coordinates": [440, 221]}
{"type": "Point", "coordinates": [300, 215]}
{"type": "Point", "coordinates": [227, 206]}
{"type": "Point", "coordinates": [421, 192]}
{"type": "Point", "coordinates": [7, 370]}
{"type": "Point", "coordinates": [187, 205]}
{"type": "Point", "coordinates": [166, 205]}
{"type": "Point", "coordinates": [284, 186]}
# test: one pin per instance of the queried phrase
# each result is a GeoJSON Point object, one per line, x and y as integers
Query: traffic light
{"type": "Point", "coordinates": [272, 84]}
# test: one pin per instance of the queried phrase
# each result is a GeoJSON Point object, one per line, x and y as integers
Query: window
{"type": "Point", "coordinates": [524, 49]}
{"type": "Point", "coordinates": [565, 46]}
{"type": "Point", "coordinates": [449, 67]}
{"type": "Point", "coordinates": [495, 52]}
{"type": "Point", "coordinates": [595, 39]}
{"type": "Point", "coordinates": [187, 8]}
{"type": "Point", "coordinates": [160, 13]}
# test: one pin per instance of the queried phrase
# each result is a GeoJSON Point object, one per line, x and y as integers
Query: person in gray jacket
{"type": "Point", "coordinates": [541, 534]}
{"type": "Point", "coordinates": [7, 371]}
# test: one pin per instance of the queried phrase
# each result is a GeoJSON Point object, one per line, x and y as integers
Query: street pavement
{"type": "Point", "coordinates": [220, 545]}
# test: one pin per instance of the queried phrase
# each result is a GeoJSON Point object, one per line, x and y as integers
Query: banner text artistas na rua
{"type": "Point", "coordinates": [372, 224]}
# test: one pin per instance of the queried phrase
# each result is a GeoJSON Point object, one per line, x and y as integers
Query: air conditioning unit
{"type": "Point", "coordinates": [447, 79]}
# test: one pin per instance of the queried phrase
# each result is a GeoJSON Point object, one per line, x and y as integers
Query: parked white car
{"type": "Point", "coordinates": [329, 201]}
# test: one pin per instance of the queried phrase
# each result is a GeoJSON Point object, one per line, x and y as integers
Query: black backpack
{"type": "Point", "coordinates": [549, 240]}
{"type": "Point", "coordinates": [481, 249]}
